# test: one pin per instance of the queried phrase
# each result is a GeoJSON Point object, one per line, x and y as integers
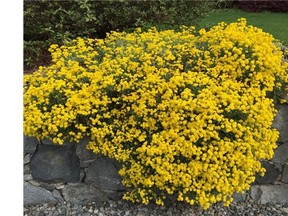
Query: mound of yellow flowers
{"type": "Point", "coordinates": [186, 113]}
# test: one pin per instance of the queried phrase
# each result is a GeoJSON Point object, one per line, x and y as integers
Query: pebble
{"type": "Point", "coordinates": [28, 177]}
{"type": "Point", "coordinates": [127, 213]}
{"type": "Point", "coordinates": [284, 210]}
{"type": "Point", "coordinates": [35, 183]}
{"type": "Point", "coordinates": [121, 208]}
{"type": "Point", "coordinates": [27, 159]}
{"type": "Point", "coordinates": [169, 212]}
{"type": "Point", "coordinates": [59, 186]}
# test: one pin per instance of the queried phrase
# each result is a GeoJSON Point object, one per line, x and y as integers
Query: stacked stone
{"type": "Point", "coordinates": [70, 173]}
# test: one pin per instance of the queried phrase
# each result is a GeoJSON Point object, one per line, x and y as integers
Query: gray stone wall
{"type": "Point", "coordinates": [70, 173]}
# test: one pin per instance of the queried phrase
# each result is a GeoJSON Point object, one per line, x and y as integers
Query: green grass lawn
{"type": "Point", "coordinates": [273, 23]}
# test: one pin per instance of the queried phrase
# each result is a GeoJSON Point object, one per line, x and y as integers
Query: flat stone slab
{"type": "Point", "coordinates": [239, 197]}
{"type": "Point", "coordinates": [36, 195]}
{"type": "Point", "coordinates": [66, 143]}
{"type": "Point", "coordinates": [270, 194]}
{"type": "Point", "coordinates": [270, 176]}
{"type": "Point", "coordinates": [81, 194]}
{"type": "Point", "coordinates": [280, 122]}
{"type": "Point", "coordinates": [55, 164]}
{"type": "Point", "coordinates": [285, 175]}
{"type": "Point", "coordinates": [85, 156]}
{"type": "Point", "coordinates": [103, 174]}
{"type": "Point", "coordinates": [281, 154]}
{"type": "Point", "coordinates": [30, 144]}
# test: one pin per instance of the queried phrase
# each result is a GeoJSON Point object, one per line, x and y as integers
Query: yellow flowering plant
{"type": "Point", "coordinates": [186, 113]}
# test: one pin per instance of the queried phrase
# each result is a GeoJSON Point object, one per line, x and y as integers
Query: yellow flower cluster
{"type": "Point", "coordinates": [187, 113]}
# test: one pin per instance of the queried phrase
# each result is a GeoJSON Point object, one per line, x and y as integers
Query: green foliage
{"type": "Point", "coordinates": [47, 22]}
{"type": "Point", "coordinates": [225, 3]}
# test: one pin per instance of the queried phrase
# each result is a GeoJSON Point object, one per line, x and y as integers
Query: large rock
{"type": "Point", "coordinates": [46, 141]}
{"type": "Point", "coordinates": [103, 174]}
{"type": "Point", "coordinates": [280, 122]}
{"type": "Point", "coordinates": [270, 194]}
{"type": "Point", "coordinates": [55, 164]}
{"type": "Point", "coordinates": [285, 175]}
{"type": "Point", "coordinates": [281, 154]}
{"type": "Point", "coordinates": [270, 176]}
{"type": "Point", "coordinates": [239, 197]}
{"type": "Point", "coordinates": [85, 156]}
{"type": "Point", "coordinates": [35, 195]}
{"type": "Point", "coordinates": [81, 194]}
{"type": "Point", "coordinates": [30, 144]}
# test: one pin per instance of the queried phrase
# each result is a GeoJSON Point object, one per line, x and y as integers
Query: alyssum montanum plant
{"type": "Point", "coordinates": [186, 113]}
